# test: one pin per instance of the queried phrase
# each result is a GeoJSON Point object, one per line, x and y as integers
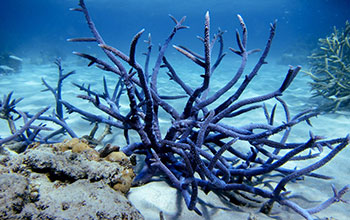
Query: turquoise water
{"type": "Point", "coordinates": [36, 32]}
{"type": "Point", "coordinates": [41, 27]}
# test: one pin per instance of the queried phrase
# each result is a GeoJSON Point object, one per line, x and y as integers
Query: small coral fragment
{"type": "Point", "coordinates": [75, 144]}
{"type": "Point", "coordinates": [92, 154]}
{"type": "Point", "coordinates": [125, 182]}
{"type": "Point", "coordinates": [119, 157]}
{"type": "Point", "coordinates": [80, 147]}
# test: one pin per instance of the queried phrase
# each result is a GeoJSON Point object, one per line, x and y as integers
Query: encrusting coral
{"type": "Point", "coordinates": [330, 70]}
{"type": "Point", "coordinates": [75, 144]}
{"type": "Point", "coordinates": [122, 179]}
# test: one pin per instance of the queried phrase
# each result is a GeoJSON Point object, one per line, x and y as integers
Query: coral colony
{"type": "Point", "coordinates": [331, 70]}
{"type": "Point", "coordinates": [200, 149]}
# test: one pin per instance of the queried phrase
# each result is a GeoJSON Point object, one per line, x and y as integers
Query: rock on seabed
{"type": "Point", "coordinates": [44, 183]}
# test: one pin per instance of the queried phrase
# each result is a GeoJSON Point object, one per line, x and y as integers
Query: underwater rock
{"type": "Point", "coordinates": [47, 183]}
{"type": "Point", "coordinates": [13, 193]}
{"type": "Point", "coordinates": [16, 146]}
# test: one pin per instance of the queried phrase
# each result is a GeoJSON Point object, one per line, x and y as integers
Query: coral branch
{"type": "Point", "coordinates": [195, 149]}
{"type": "Point", "coordinates": [24, 127]}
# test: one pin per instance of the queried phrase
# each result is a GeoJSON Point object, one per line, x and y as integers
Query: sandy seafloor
{"type": "Point", "coordinates": [158, 196]}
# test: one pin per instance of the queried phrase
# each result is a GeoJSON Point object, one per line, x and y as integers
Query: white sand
{"type": "Point", "coordinates": [158, 196]}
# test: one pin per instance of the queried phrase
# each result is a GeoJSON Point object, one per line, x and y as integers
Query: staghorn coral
{"type": "Point", "coordinates": [330, 70]}
{"type": "Point", "coordinates": [21, 138]}
{"type": "Point", "coordinates": [28, 132]}
{"type": "Point", "coordinates": [201, 146]}
{"type": "Point", "coordinates": [200, 150]}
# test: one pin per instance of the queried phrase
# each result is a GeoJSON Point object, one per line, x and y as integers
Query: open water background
{"type": "Point", "coordinates": [36, 31]}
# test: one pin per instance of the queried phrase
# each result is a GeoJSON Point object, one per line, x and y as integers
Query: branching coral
{"type": "Point", "coordinates": [28, 132]}
{"type": "Point", "coordinates": [201, 146]}
{"type": "Point", "coordinates": [330, 70]}
{"type": "Point", "coordinates": [199, 149]}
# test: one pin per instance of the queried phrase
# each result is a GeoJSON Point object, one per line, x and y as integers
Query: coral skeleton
{"type": "Point", "coordinates": [201, 147]}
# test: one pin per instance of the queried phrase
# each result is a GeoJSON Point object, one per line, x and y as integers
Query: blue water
{"type": "Point", "coordinates": [30, 28]}
{"type": "Point", "coordinates": [36, 31]}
